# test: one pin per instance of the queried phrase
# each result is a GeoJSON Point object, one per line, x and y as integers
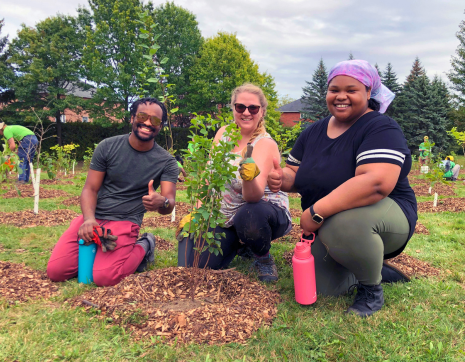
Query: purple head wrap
{"type": "Point", "coordinates": [366, 74]}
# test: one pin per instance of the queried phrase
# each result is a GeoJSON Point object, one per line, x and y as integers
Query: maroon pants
{"type": "Point", "coordinates": [109, 267]}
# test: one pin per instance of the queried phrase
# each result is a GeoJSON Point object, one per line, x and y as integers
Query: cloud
{"type": "Point", "coordinates": [288, 38]}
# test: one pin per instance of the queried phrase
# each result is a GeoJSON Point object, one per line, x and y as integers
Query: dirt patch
{"type": "Point", "coordinates": [55, 182]}
{"type": "Point", "coordinates": [414, 267]}
{"type": "Point", "coordinates": [28, 191]}
{"type": "Point", "coordinates": [294, 195]}
{"type": "Point", "coordinates": [75, 200]}
{"type": "Point", "coordinates": [163, 245]}
{"type": "Point", "coordinates": [441, 189]}
{"type": "Point", "coordinates": [456, 204]}
{"type": "Point", "coordinates": [155, 220]}
{"type": "Point", "coordinates": [19, 283]}
{"type": "Point", "coordinates": [27, 218]}
{"type": "Point", "coordinates": [418, 181]}
{"type": "Point", "coordinates": [296, 212]}
{"type": "Point", "coordinates": [293, 236]}
{"type": "Point", "coordinates": [409, 265]}
{"type": "Point", "coordinates": [421, 229]}
{"type": "Point", "coordinates": [150, 304]}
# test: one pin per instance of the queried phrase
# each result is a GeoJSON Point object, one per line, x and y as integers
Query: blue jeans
{"type": "Point", "coordinates": [26, 152]}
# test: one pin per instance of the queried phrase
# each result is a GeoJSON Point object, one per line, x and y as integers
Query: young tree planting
{"type": "Point", "coordinates": [208, 174]}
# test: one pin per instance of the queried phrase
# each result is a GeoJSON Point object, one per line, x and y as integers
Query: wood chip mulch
{"type": "Point", "coordinates": [414, 267]}
{"type": "Point", "coordinates": [72, 201]}
{"type": "Point", "coordinates": [296, 212]}
{"type": "Point", "coordinates": [56, 182]}
{"type": "Point", "coordinates": [441, 189]}
{"type": "Point", "coordinates": [163, 245]}
{"type": "Point", "coordinates": [158, 303]}
{"type": "Point", "coordinates": [27, 218]}
{"type": "Point", "coordinates": [418, 181]}
{"type": "Point", "coordinates": [28, 191]}
{"type": "Point", "coordinates": [421, 229]}
{"type": "Point", "coordinates": [456, 204]}
{"type": "Point", "coordinates": [155, 220]}
{"type": "Point", "coordinates": [294, 195]}
{"type": "Point", "coordinates": [19, 283]}
{"type": "Point", "coordinates": [293, 236]}
{"type": "Point", "coordinates": [409, 265]}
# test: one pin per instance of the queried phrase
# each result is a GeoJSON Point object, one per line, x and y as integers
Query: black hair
{"type": "Point", "coordinates": [372, 103]}
{"type": "Point", "coordinates": [179, 159]}
{"type": "Point", "coordinates": [149, 100]}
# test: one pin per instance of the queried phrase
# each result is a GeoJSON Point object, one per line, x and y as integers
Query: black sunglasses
{"type": "Point", "coordinates": [240, 108]}
{"type": "Point", "coordinates": [141, 117]}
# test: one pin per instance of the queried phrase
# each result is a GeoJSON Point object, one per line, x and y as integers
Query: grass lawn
{"type": "Point", "coordinates": [421, 321]}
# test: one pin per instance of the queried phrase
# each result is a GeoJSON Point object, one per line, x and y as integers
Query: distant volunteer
{"type": "Point", "coordinates": [451, 170]}
{"type": "Point", "coordinates": [27, 144]}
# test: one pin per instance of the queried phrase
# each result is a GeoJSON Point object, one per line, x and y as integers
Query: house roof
{"type": "Point", "coordinates": [295, 106]}
{"type": "Point", "coordinates": [80, 91]}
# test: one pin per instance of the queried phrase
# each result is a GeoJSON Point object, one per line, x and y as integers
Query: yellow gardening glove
{"type": "Point", "coordinates": [248, 169]}
{"type": "Point", "coordinates": [185, 221]}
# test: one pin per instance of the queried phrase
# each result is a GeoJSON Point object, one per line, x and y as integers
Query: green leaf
{"type": "Point", "coordinates": [164, 60]}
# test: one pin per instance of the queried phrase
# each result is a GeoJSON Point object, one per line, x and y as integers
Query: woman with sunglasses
{"type": "Point", "coordinates": [255, 215]}
{"type": "Point", "coordinates": [362, 207]}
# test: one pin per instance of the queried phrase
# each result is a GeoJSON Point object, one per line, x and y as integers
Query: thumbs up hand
{"type": "Point", "coordinates": [153, 201]}
{"type": "Point", "coordinates": [275, 177]}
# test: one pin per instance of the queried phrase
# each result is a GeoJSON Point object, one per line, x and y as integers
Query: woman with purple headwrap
{"type": "Point", "coordinates": [362, 207]}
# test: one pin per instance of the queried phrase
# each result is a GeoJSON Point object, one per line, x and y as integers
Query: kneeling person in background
{"type": "Point", "coordinates": [121, 185]}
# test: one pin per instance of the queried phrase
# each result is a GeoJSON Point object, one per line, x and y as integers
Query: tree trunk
{"type": "Point", "coordinates": [58, 122]}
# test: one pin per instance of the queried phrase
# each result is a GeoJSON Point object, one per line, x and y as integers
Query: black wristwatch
{"type": "Point", "coordinates": [166, 204]}
{"type": "Point", "coordinates": [316, 217]}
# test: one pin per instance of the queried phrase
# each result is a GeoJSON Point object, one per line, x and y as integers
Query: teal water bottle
{"type": "Point", "coordinates": [86, 262]}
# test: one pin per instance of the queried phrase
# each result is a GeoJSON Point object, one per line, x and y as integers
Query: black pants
{"type": "Point", "coordinates": [255, 226]}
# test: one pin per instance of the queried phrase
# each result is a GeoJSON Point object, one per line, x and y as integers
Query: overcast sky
{"type": "Point", "coordinates": [287, 38]}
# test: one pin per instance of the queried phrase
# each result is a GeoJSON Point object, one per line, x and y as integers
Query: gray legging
{"type": "Point", "coordinates": [351, 245]}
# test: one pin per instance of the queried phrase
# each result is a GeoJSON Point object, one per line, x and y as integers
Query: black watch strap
{"type": "Point", "coordinates": [316, 217]}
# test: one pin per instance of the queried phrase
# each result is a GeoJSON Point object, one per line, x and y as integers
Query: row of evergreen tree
{"type": "Point", "coordinates": [422, 106]}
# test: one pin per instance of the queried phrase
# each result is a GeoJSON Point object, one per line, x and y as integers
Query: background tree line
{"type": "Point", "coordinates": [100, 51]}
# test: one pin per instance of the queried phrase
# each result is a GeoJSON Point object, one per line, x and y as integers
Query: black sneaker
{"type": "Point", "coordinates": [391, 274]}
{"type": "Point", "coordinates": [368, 300]}
{"type": "Point", "coordinates": [265, 268]}
{"type": "Point", "coordinates": [147, 241]}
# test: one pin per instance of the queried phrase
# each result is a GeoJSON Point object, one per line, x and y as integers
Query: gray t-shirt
{"type": "Point", "coordinates": [127, 175]}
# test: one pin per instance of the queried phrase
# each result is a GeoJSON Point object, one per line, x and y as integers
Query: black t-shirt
{"type": "Point", "coordinates": [127, 175]}
{"type": "Point", "coordinates": [325, 163]}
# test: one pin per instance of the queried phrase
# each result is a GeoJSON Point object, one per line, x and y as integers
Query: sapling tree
{"type": "Point", "coordinates": [9, 163]}
{"type": "Point", "coordinates": [435, 175]}
{"type": "Point", "coordinates": [208, 173]}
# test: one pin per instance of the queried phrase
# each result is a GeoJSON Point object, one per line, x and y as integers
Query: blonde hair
{"type": "Point", "coordinates": [253, 89]}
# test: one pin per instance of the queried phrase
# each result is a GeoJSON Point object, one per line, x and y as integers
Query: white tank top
{"type": "Point", "coordinates": [232, 197]}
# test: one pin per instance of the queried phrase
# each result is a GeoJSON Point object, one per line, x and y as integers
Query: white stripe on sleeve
{"type": "Point", "coordinates": [382, 150]}
{"type": "Point", "coordinates": [293, 159]}
{"type": "Point", "coordinates": [381, 155]}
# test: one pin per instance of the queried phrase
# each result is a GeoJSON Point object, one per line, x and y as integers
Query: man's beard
{"type": "Point", "coordinates": [135, 129]}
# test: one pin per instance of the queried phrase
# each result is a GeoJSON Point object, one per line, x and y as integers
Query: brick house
{"type": "Point", "coordinates": [291, 113]}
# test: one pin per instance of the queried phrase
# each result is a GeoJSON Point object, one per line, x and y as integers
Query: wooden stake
{"type": "Point", "coordinates": [173, 214]}
{"type": "Point", "coordinates": [435, 202]}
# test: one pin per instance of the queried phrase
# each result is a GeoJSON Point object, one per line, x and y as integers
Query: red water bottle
{"type": "Point", "coordinates": [303, 266]}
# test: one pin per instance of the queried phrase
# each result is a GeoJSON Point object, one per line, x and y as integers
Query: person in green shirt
{"type": "Point", "coordinates": [451, 170]}
{"type": "Point", "coordinates": [26, 150]}
{"type": "Point", "coordinates": [424, 151]}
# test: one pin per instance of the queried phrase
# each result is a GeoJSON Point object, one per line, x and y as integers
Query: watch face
{"type": "Point", "coordinates": [166, 204]}
{"type": "Point", "coordinates": [317, 218]}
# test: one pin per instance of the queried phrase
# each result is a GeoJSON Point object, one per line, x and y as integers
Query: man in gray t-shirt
{"type": "Point", "coordinates": [125, 174]}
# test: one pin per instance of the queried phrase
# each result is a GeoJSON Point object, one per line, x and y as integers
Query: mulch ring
{"type": "Point", "coordinates": [293, 236]}
{"type": "Point", "coordinates": [294, 194]}
{"type": "Point", "coordinates": [155, 220]}
{"type": "Point", "coordinates": [27, 218]}
{"type": "Point", "coordinates": [409, 265]}
{"type": "Point", "coordinates": [158, 303]}
{"type": "Point", "coordinates": [418, 181]}
{"type": "Point", "coordinates": [441, 189]}
{"type": "Point", "coordinates": [72, 201]}
{"type": "Point", "coordinates": [19, 283]}
{"type": "Point", "coordinates": [456, 204]}
{"type": "Point", "coordinates": [163, 245]}
{"type": "Point", "coordinates": [414, 267]}
{"type": "Point", "coordinates": [56, 182]}
{"type": "Point", "coordinates": [296, 212]}
{"type": "Point", "coordinates": [27, 190]}
{"type": "Point", "coordinates": [421, 229]}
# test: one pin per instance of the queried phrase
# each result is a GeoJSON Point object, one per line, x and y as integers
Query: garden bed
{"type": "Point", "coordinates": [27, 218]}
{"type": "Point", "coordinates": [456, 204]}
{"type": "Point", "coordinates": [19, 283]}
{"type": "Point", "coordinates": [441, 189]}
{"type": "Point", "coordinates": [158, 303]}
{"type": "Point", "coordinates": [27, 190]}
